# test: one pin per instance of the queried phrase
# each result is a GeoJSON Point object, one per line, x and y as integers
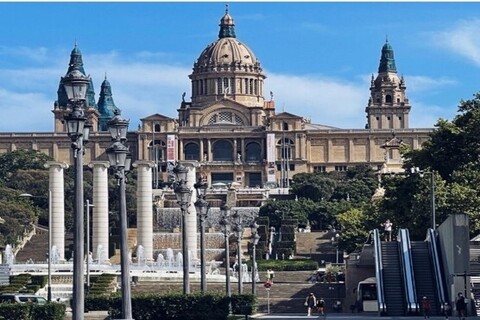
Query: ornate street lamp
{"type": "Point", "coordinates": [117, 155]}
{"type": "Point", "coordinates": [225, 223]}
{"type": "Point", "coordinates": [75, 84]}
{"type": "Point", "coordinates": [184, 196]}
{"type": "Point", "coordinates": [202, 207]}
{"type": "Point", "coordinates": [254, 240]}
{"type": "Point", "coordinates": [238, 229]}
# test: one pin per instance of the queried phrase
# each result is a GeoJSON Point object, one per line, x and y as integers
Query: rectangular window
{"type": "Point", "coordinates": [219, 86]}
{"type": "Point", "coordinates": [319, 169]}
{"type": "Point", "coordinates": [341, 168]}
{"type": "Point", "coordinates": [291, 167]}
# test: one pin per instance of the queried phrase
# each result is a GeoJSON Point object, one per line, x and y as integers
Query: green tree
{"type": "Point", "coordinates": [11, 162]}
{"type": "Point", "coordinates": [454, 152]}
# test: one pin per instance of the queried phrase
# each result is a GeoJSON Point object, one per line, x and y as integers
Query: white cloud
{"type": "Point", "coordinates": [325, 100]}
{"type": "Point", "coordinates": [39, 54]}
{"type": "Point", "coordinates": [142, 87]}
{"type": "Point", "coordinates": [25, 112]}
{"type": "Point", "coordinates": [422, 83]}
{"type": "Point", "coordinates": [461, 39]}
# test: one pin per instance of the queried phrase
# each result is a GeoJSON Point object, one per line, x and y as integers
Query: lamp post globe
{"type": "Point", "coordinates": [118, 154]}
{"type": "Point", "coordinates": [75, 84]}
{"type": "Point", "coordinates": [184, 196]}
{"type": "Point", "coordinates": [202, 207]}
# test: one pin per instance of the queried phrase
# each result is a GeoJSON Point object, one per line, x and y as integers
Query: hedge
{"type": "Point", "coordinates": [197, 306]}
{"type": "Point", "coordinates": [30, 311]}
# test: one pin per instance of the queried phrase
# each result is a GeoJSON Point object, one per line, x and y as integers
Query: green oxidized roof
{"type": "Point", "coordinates": [227, 29]}
{"type": "Point", "coordinates": [106, 106]}
{"type": "Point", "coordinates": [387, 60]}
{"type": "Point", "coordinates": [76, 63]}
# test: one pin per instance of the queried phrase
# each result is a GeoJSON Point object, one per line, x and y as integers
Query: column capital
{"type": "Point", "coordinates": [61, 164]}
{"type": "Point", "coordinates": [93, 164]}
{"type": "Point", "coordinates": [146, 163]}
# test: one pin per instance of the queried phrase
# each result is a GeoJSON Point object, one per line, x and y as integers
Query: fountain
{"type": "Point", "coordinates": [101, 255]}
{"type": "Point", "coordinates": [55, 255]}
{"type": "Point", "coordinates": [141, 261]}
{"type": "Point", "coordinates": [9, 257]}
{"type": "Point", "coordinates": [170, 258]}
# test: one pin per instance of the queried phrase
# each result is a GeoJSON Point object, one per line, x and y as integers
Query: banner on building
{"type": "Point", "coordinates": [271, 158]}
{"type": "Point", "coordinates": [171, 148]}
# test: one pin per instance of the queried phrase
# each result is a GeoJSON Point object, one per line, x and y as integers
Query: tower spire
{"type": "Point", "coordinates": [387, 60]}
{"type": "Point", "coordinates": [227, 25]}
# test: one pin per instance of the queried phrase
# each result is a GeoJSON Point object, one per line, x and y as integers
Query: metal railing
{"type": "Point", "coordinates": [406, 265]}
{"type": "Point", "coordinates": [382, 308]}
{"type": "Point", "coordinates": [437, 270]}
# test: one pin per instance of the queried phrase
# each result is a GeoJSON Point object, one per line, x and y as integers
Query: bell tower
{"type": "Point", "coordinates": [388, 106]}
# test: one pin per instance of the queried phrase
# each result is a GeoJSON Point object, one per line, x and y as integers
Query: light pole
{"type": "Point", "coordinates": [75, 84]}
{"type": "Point", "coordinates": [88, 206]}
{"type": "Point", "coordinates": [49, 250]}
{"type": "Point", "coordinates": [184, 196]}
{"type": "Point", "coordinates": [202, 207]}
{"type": "Point", "coordinates": [120, 164]}
{"type": "Point", "coordinates": [254, 240]}
{"type": "Point", "coordinates": [417, 170]}
{"type": "Point", "coordinates": [225, 223]}
{"type": "Point", "coordinates": [334, 240]}
{"type": "Point", "coordinates": [238, 229]}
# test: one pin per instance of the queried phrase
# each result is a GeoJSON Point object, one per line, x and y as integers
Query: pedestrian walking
{"type": "Point", "coordinates": [310, 303]}
{"type": "Point", "coordinates": [461, 306]}
{"type": "Point", "coordinates": [387, 225]}
{"type": "Point", "coordinates": [426, 306]}
{"type": "Point", "coordinates": [321, 306]}
{"type": "Point", "coordinates": [446, 309]}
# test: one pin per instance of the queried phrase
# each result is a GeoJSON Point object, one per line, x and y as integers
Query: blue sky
{"type": "Point", "coordinates": [318, 56]}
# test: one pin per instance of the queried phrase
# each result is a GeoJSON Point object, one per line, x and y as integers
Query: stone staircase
{"type": "Point", "coordinates": [315, 245]}
{"type": "Point", "coordinates": [132, 242]}
{"type": "Point", "coordinates": [36, 249]}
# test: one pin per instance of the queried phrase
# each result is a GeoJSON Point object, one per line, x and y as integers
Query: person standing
{"type": "Point", "coordinates": [388, 230]}
{"type": "Point", "coordinates": [461, 306]}
{"type": "Point", "coordinates": [310, 303]}
{"type": "Point", "coordinates": [426, 306]}
{"type": "Point", "coordinates": [446, 310]}
{"type": "Point", "coordinates": [321, 306]}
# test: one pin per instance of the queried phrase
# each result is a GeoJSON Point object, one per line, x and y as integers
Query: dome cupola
{"type": "Point", "coordinates": [227, 68]}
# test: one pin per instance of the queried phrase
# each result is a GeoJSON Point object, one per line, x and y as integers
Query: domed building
{"type": "Point", "coordinates": [238, 138]}
{"type": "Point", "coordinates": [232, 131]}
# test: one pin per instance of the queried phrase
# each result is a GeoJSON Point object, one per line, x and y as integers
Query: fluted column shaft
{"type": "Point", "coordinates": [57, 193]}
{"type": "Point", "coordinates": [100, 225]}
{"type": "Point", "coordinates": [145, 207]}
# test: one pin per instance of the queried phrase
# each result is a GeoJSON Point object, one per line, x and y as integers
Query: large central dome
{"type": "Point", "coordinates": [227, 67]}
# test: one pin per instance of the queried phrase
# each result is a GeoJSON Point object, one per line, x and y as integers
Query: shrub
{"type": "Point", "coordinates": [29, 311]}
{"type": "Point", "coordinates": [287, 265]}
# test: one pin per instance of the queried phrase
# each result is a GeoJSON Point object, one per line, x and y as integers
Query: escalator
{"type": "Point", "coordinates": [423, 274]}
{"type": "Point", "coordinates": [392, 279]}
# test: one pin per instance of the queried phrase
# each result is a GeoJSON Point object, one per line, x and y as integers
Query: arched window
{"type": "Point", "coordinates": [388, 98]}
{"type": "Point", "coordinates": [222, 151]}
{"type": "Point", "coordinates": [286, 147]}
{"type": "Point", "coordinates": [253, 152]}
{"type": "Point", "coordinates": [157, 151]}
{"type": "Point", "coordinates": [156, 127]}
{"type": "Point", "coordinates": [192, 151]}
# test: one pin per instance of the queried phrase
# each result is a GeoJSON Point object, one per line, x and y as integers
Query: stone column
{"type": "Point", "coordinates": [145, 207]}
{"type": "Point", "coordinates": [191, 220]}
{"type": "Point", "coordinates": [57, 194]}
{"type": "Point", "coordinates": [100, 225]}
